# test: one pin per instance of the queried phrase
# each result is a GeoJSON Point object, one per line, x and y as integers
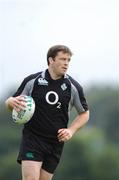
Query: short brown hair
{"type": "Point", "coordinates": [52, 52]}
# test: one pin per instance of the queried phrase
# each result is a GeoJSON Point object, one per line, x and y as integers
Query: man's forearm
{"type": "Point", "coordinates": [65, 134]}
{"type": "Point", "coordinates": [79, 121]}
{"type": "Point", "coordinates": [7, 103]}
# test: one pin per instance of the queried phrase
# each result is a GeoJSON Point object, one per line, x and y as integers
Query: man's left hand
{"type": "Point", "coordinates": [64, 134]}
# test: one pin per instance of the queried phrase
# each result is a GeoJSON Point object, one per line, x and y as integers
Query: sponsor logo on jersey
{"type": "Point", "coordinates": [55, 99]}
{"type": "Point", "coordinates": [63, 86]}
{"type": "Point", "coordinates": [42, 81]}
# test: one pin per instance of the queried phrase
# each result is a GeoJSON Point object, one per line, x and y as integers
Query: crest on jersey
{"type": "Point", "coordinates": [64, 86]}
{"type": "Point", "coordinates": [42, 81]}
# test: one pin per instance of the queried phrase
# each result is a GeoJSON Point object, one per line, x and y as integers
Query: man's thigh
{"type": "Point", "coordinates": [44, 175]}
{"type": "Point", "coordinates": [31, 170]}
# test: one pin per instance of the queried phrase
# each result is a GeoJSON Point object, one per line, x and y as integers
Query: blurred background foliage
{"type": "Point", "coordinates": [92, 154]}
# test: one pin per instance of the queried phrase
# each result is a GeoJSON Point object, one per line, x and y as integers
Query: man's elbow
{"type": "Point", "coordinates": [87, 115]}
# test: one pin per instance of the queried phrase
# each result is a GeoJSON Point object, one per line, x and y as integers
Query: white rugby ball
{"type": "Point", "coordinates": [23, 116]}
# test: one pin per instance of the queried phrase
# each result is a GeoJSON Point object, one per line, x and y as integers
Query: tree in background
{"type": "Point", "coordinates": [104, 107]}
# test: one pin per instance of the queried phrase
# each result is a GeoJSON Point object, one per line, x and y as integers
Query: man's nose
{"type": "Point", "coordinates": [67, 62]}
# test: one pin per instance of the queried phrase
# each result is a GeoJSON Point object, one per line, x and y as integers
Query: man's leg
{"type": "Point", "coordinates": [44, 175]}
{"type": "Point", "coordinates": [31, 170]}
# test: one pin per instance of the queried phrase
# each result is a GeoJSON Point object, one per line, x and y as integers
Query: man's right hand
{"type": "Point", "coordinates": [17, 103]}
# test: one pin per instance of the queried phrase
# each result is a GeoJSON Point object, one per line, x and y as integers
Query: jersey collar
{"type": "Point", "coordinates": [46, 75]}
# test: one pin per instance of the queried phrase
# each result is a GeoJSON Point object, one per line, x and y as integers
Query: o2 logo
{"type": "Point", "coordinates": [56, 99]}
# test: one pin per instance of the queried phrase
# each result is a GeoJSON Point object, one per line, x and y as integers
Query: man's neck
{"type": "Point", "coordinates": [53, 75]}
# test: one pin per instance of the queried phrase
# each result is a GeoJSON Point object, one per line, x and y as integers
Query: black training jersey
{"type": "Point", "coordinates": [54, 100]}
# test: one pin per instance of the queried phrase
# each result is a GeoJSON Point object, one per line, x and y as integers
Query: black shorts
{"type": "Point", "coordinates": [34, 148]}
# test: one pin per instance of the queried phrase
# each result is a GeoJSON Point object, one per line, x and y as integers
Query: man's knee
{"type": "Point", "coordinates": [30, 177]}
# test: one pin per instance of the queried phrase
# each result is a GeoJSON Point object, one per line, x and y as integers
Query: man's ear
{"type": "Point", "coordinates": [50, 60]}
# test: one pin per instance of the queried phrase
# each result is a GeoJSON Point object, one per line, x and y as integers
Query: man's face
{"type": "Point", "coordinates": [60, 63]}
